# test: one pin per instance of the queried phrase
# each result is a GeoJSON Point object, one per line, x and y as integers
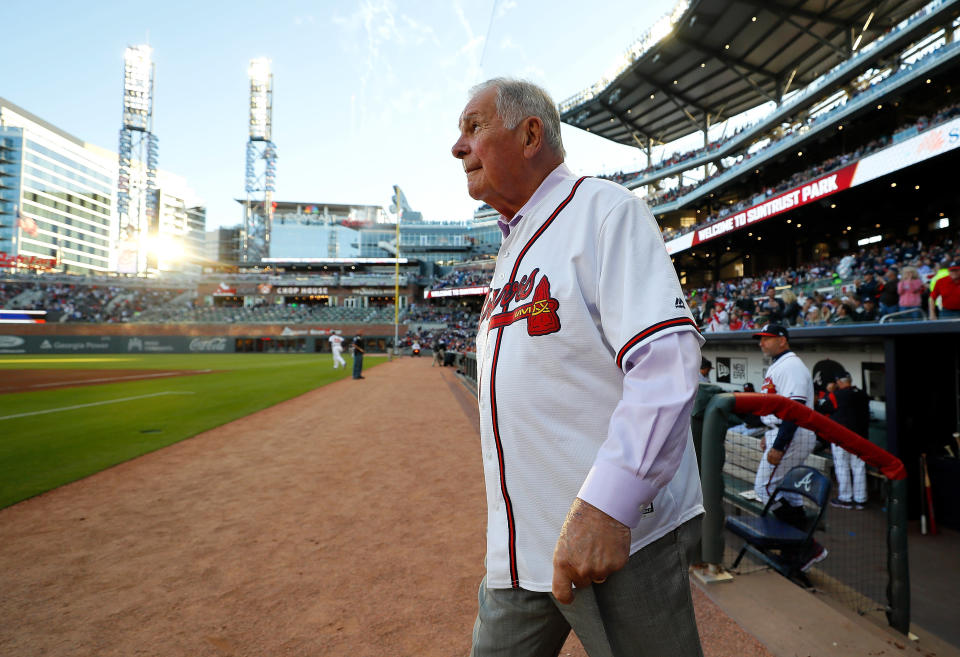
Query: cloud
{"type": "Point", "coordinates": [505, 7]}
{"type": "Point", "coordinates": [420, 32]}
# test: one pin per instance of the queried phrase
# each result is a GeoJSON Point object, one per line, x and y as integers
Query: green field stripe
{"type": "Point", "coordinates": [40, 450]}
{"type": "Point", "coordinates": [99, 403]}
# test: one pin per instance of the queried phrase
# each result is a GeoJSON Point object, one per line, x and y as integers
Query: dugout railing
{"type": "Point", "coordinates": [866, 568]}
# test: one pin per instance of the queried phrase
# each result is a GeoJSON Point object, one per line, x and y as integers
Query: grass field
{"type": "Point", "coordinates": [66, 434]}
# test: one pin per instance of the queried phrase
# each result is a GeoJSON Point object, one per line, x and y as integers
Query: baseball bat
{"type": "Point", "coordinates": [929, 491]}
{"type": "Point", "coordinates": [956, 439]}
{"type": "Point", "coordinates": [923, 502]}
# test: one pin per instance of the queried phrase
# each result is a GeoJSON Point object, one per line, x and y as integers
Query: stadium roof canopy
{"type": "Point", "coordinates": [724, 57]}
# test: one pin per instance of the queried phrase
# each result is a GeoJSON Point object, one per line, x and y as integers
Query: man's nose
{"type": "Point", "coordinates": [459, 149]}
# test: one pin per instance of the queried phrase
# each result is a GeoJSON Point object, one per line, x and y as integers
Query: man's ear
{"type": "Point", "coordinates": [532, 130]}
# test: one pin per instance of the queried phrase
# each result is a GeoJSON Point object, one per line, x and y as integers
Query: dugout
{"type": "Point", "coordinates": [912, 368]}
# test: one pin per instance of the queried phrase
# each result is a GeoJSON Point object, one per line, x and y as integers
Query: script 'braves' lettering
{"type": "Point", "coordinates": [540, 313]}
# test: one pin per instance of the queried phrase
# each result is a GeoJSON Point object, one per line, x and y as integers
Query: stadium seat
{"type": "Point", "coordinates": [774, 542]}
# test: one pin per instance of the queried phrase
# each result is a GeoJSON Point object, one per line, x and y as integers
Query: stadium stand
{"type": "Point", "coordinates": [825, 292]}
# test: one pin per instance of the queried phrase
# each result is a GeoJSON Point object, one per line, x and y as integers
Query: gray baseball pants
{"type": "Point", "coordinates": [643, 610]}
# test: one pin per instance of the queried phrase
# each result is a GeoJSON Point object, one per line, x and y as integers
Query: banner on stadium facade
{"type": "Point", "coordinates": [804, 194]}
{"type": "Point", "coordinates": [17, 316]}
{"type": "Point", "coordinates": [12, 344]}
{"type": "Point", "coordinates": [930, 143]}
{"type": "Point", "coordinates": [287, 331]}
{"type": "Point", "coordinates": [10, 260]}
{"type": "Point", "coordinates": [456, 292]}
{"type": "Point", "coordinates": [300, 290]}
{"type": "Point", "coordinates": [114, 344]}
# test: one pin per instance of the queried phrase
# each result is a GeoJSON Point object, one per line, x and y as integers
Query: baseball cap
{"type": "Point", "coordinates": [953, 266]}
{"type": "Point", "coordinates": [705, 362]}
{"type": "Point", "coordinates": [772, 331]}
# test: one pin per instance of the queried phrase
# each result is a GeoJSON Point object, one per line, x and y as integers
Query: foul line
{"type": "Point", "coordinates": [99, 403]}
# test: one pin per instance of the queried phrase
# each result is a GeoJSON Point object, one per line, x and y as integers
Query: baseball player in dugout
{"type": "Point", "coordinates": [785, 445]}
{"type": "Point", "coordinates": [588, 364]}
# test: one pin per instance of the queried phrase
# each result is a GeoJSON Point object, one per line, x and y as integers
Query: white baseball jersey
{"type": "Point", "coordinates": [336, 343]}
{"type": "Point", "coordinates": [788, 377]}
{"type": "Point", "coordinates": [581, 283]}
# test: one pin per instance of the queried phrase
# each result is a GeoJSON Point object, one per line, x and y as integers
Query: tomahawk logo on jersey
{"type": "Point", "coordinates": [540, 313]}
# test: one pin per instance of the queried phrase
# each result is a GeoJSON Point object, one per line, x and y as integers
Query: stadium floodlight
{"type": "Point", "coordinates": [137, 158]}
{"type": "Point", "coordinates": [261, 165]}
{"type": "Point", "coordinates": [137, 87]}
{"type": "Point", "coordinates": [261, 92]}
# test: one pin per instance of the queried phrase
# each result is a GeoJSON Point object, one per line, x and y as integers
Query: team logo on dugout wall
{"type": "Point", "coordinates": [540, 312]}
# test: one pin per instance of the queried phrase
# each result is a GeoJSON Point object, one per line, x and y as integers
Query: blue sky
{"type": "Point", "coordinates": [366, 94]}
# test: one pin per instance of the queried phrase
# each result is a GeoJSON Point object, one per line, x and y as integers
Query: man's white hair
{"type": "Point", "coordinates": [518, 99]}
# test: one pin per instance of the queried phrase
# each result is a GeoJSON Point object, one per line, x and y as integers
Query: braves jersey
{"type": "Point", "coordinates": [336, 342]}
{"type": "Point", "coordinates": [581, 283]}
{"type": "Point", "coordinates": [788, 377]}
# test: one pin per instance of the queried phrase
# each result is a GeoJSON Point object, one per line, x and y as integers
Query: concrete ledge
{"type": "Point", "coordinates": [792, 622]}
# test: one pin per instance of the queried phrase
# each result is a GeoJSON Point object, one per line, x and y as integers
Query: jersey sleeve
{"type": "Point", "coordinates": [794, 381]}
{"type": "Point", "coordinates": [648, 430]}
{"type": "Point", "coordinates": [638, 295]}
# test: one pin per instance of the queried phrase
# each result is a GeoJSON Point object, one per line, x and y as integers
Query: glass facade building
{"type": "Point", "coordinates": [63, 190]}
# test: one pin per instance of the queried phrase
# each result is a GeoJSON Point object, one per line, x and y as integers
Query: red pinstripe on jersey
{"type": "Point", "coordinates": [511, 525]}
{"type": "Point", "coordinates": [651, 330]}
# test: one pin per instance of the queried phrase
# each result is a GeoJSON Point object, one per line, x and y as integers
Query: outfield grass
{"type": "Point", "coordinates": [48, 449]}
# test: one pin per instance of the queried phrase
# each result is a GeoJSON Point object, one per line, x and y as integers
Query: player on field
{"type": "Point", "coordinates": [336, 346]}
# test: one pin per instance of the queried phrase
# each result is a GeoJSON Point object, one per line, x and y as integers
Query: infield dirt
{"type": "Point", "coordinates": [348, 521]}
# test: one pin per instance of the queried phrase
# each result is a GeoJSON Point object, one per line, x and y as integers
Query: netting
{"type": "Point", "coordinates": [855, 571]}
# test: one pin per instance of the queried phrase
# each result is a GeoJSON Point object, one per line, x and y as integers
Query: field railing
{"type": "Point", "coordinates": [867, 543]}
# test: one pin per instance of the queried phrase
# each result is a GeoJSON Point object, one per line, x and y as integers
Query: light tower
{"type": "Point", "coordinates": [138, 154]}
{"type": "Point", "coordinates": [258, 212]}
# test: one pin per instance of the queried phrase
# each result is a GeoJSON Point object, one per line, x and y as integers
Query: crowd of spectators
{"type": "Point", "coordinates": [863, 286]}
{"type": "Point", "coordinates": [74, 302]}
{"type": "Point", "coordinates": [439, 327]}
{"type": "Point", "coordinates": [457, 278]}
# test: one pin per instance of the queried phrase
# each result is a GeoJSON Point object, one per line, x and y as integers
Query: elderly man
{"type": "Point", "coordinates": [587, 363]}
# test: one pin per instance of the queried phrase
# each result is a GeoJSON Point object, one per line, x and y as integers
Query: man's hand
{"type": "Point", "coordinates": [774, 456]}
{"type": "Point", "coordinates": [591, 546]}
